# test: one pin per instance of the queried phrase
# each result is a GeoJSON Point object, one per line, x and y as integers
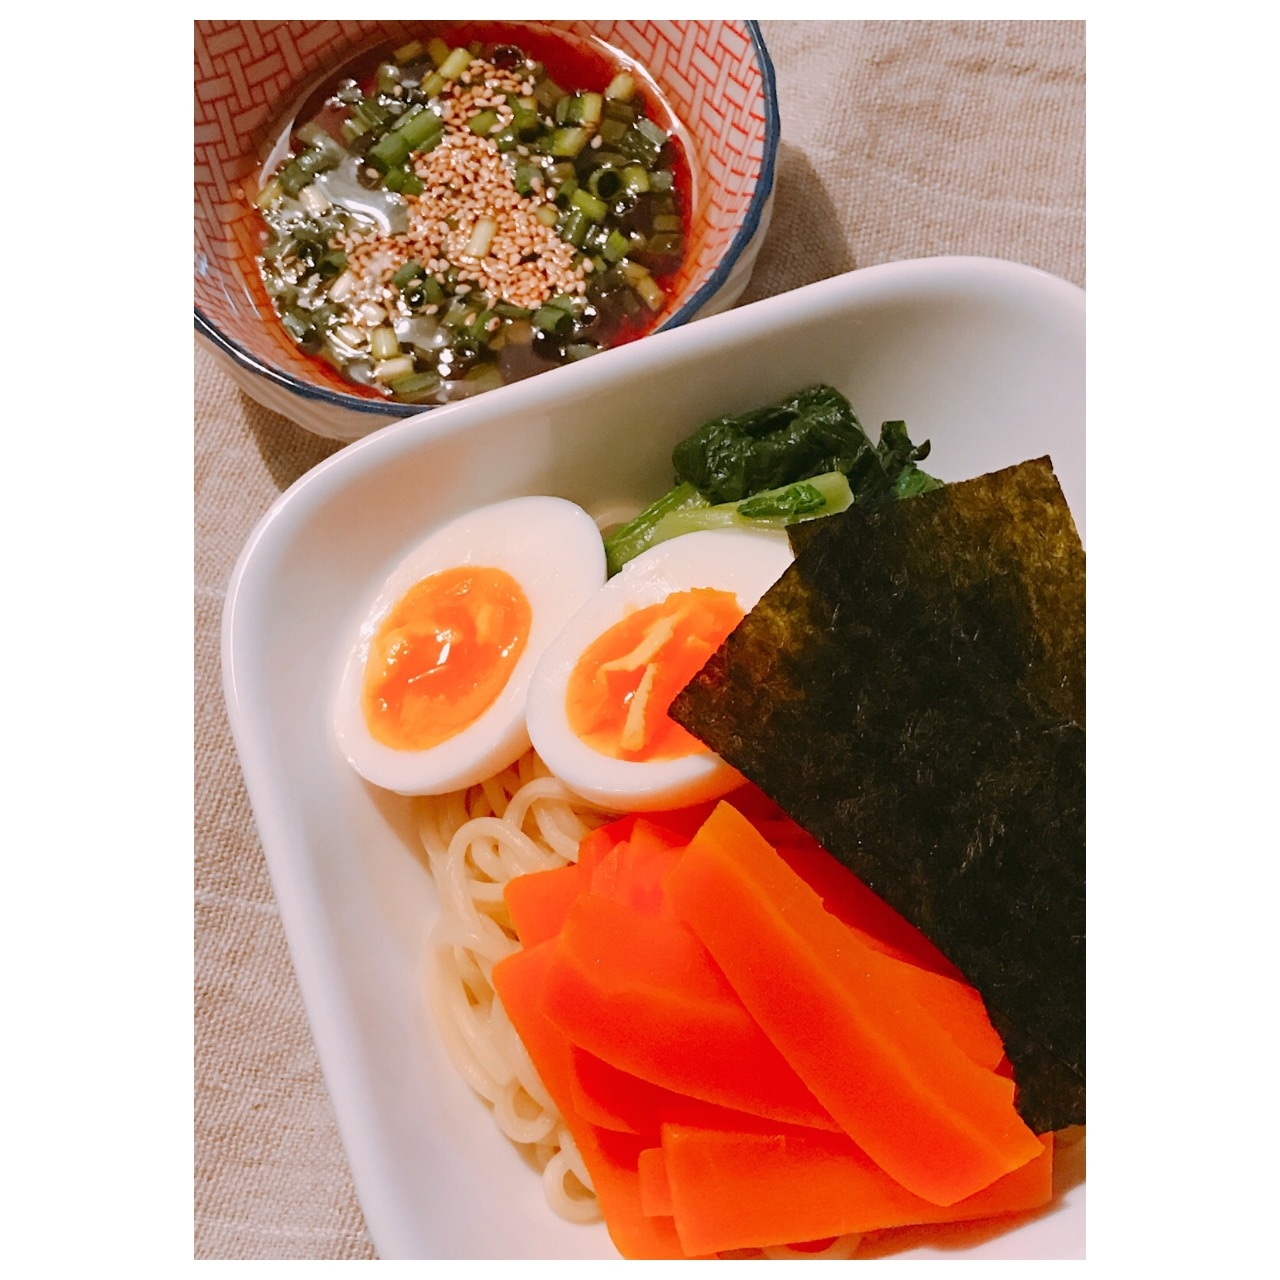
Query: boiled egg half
{"type": "Point", "coordinates": [432, 693]}
{"type": "Point", "coordinates": [598, 703]}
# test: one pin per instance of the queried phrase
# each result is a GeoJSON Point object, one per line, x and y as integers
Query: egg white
{"type": "Point", "coordinates": [553, 549]}
{"type": "Point", "coordinates": [746, 562]}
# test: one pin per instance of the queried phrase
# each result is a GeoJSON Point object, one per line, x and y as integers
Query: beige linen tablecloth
{"type": "Point", "coordinates": [899, 140]}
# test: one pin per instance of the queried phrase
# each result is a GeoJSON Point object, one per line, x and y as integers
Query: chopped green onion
{"type": "Point", "coordinates": [665, 243]}
{"type": "Point", "coordinates": [568, 141]}
{"type": "Point", "coordinates": [314, 134]}
{"type": "Point", "coordinates": [408, 52]}
{"type": "Point", "coordinates": [573, 227]}
{"type": "Point", "coordinates": [397, 367]}
{"type": "Point", "coordinates": [481, 237]}
{"type": "Point", "coordinates": [551, 319]}
{"type": "Point", "coordinates": [509, 311]}
{"type": "Point", "coordinates": [459, 308]}
{"type": "Point", "coordinates": [383, 343]}
{"type": "Point", "coordinates": [342, 287]}
{"type": "Point", "coordinates": [372, 112]}
{"type": "Point", "coordinates": [548, 93]}
{"type": "Point", "coordinates": [653, 132]}
{"type": "Point", "coordinates": [595, 239]}
{"type": "Point", "coordinates": [484, 377]}
{"type": "Point", "coordinates": [644, 141]}
{"type": "Point", "coordinates": [588, 108]}
{"type": "Point", "coordinates": [648, 289]}
{"type": "Point", "coordinates": [636, 179]}
{"type": "Point", "coordinates": [297, 322]}
{"type": "Point", "coordinates": [390, 151]}
{"type": "Point", "coordinates": [525, 119]}
{"type": "Point", "coordinates": [527, 178]}
{"type": "Point", "coordinates": [483, 123]}
{"type": "Point", "coordinates": [612, 131]}
{"type": "Point", "coordinates": [422, 130]}
{"type": "Point", "coordinates": [292, 178]}
{"type": "Point", "coordinates": [621, 87]}
{"type": "Point", "coordinates": [316, 160]}
{"type": "Point", "coordinates": [437, 50]}
{"type": "Point", "coordinates": [316, 201]}
{"type": "Point", "coordinates": [616, 246]}
{"type": "Point", "coordinates": [606, 183]}
{"type": "Point", "coordinates": [591, 206]}
{"type": "Point", "coordinates": [410, 271]}
{"type": "Point", "coordinates": [414, 386]}
{"type": "Point", "coordinates": [481, 325]}
{"type": "Point", "coordinates": [432, 290]}
{"type": "Point", "coordinates": [331, 264]}
{"type": "Point", "coordinates": [455, 64]}
{"type": "Point", "coordinates": [269, 194]}
{"type": "Point", "coordinates": [616, 109]}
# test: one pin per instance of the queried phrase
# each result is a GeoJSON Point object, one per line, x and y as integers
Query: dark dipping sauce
{"type": "Point", "coordinates": [455, 214]}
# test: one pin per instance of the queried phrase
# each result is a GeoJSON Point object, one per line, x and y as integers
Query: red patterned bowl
{"type": "Point", "coordinates": [250, 76]}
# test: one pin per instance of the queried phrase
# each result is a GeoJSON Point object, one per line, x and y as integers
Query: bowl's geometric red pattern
{"type": "Point", "coordinates": [249, 74]}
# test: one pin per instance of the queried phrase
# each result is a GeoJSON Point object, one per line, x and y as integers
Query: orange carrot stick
{"type": "Point", "coordinates": [641, 993]}
{"type": "Point", "coordinates": [539, 901]}
{"type": "Point", "coordinates": [612, 1160]}
{"type": "Point", "coordinates": [617, 1100]}
{"type": "Point", "coordinates": [890, 1074]}
{"type": "Point", "coordinates": [926, 974]}
{"type": "Point", "coordinates": [655, 1190]}
{"type": "Point", "coordinates": [753, 1189]}
{"type": "Point", "coordinates": [940, 985]}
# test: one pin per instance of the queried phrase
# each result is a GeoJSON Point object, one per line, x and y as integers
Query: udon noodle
{"type": "Point", "coordinates": [522, 820]}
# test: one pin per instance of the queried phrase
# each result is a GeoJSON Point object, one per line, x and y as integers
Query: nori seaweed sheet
{"type": "Point", "coordinates": [912, 692]}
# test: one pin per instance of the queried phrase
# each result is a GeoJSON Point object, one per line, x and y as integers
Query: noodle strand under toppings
{"type": "Point", "coordinates": [477, 840]}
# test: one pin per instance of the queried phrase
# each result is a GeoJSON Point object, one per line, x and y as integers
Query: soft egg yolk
{"type": "Point", "coordinates": [443, 655]}
{"type": "Point", "coordinates": [622, 686]}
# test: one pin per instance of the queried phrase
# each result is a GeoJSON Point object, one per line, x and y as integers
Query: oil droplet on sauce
{"type": "Point", "coordinates": [443, 655]}
{"type": "Point", "coordinates": [622, 686]}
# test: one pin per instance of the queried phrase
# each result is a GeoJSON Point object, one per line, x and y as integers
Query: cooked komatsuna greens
{"type": "Point", "coordinates": [911, 691]}
{"type": "Point", "coordinates": [802, 457]}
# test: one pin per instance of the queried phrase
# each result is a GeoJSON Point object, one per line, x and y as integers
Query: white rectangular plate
{"type": "Point", "coordinates": [983, 358]}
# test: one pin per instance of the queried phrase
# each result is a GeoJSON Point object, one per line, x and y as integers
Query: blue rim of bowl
{"type": "Point", "coordinates": [750, 224]}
